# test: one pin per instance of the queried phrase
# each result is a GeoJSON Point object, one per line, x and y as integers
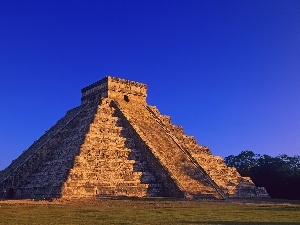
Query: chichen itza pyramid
{"type": "Point", "coordinates": [114, 144]}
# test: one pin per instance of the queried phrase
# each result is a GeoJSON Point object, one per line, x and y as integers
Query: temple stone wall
{"type": "Point", "coordinates": [115, 88]}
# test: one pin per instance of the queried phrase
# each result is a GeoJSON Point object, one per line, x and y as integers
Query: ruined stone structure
{"type": "Point", "coordinates": [114, 144]}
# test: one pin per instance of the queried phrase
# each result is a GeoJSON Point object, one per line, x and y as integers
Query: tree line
{"type": "Point", "coordinates": [280, 175]}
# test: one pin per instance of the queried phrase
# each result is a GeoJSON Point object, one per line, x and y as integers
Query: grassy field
{"type": "Point", "coordinates": [149, 211]}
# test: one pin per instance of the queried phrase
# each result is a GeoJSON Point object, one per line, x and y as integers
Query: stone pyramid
{"type": "Point", "coordinates": [114, 144]}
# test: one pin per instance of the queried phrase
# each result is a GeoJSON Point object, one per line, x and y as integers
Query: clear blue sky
{"type": "Point", "coordinates": [227, 71]}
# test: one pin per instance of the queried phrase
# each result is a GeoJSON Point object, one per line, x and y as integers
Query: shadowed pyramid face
{"type": "Point", "coordinates": [114, 144]}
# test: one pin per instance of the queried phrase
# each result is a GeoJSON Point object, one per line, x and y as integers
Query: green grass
{"type": "Point", "coordinates": [107, 211]}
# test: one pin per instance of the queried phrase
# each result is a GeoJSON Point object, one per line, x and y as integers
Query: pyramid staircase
{"type": "Point", "coordinates": [109, 162]}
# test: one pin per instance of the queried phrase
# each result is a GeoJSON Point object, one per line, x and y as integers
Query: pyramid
{"type": "Point", "coordinates": [115, 144]}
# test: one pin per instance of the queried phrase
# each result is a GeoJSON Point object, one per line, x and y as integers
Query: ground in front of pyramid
{"type": "Point", "coordinates": [115, 144]}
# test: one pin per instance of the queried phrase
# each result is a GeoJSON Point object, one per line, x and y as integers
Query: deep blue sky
{"type": "Point", "coordinates": [227, 71]}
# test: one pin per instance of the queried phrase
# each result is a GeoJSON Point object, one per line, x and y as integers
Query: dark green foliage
{"type": "Point", "coordinates": [280, 175]}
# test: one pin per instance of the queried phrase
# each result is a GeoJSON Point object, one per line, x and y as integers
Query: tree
{"type": "Point", "coordinates": [243, 162]}
{"type": "Point", "coordinates": [280, 175]}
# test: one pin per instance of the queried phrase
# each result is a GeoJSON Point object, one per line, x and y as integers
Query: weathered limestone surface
{"type": "Point", "coordinates": [188, 176]}
{"type": "Point", "coordinates": [109, 162]}
{"type": "Point", "coordinates": [227, 178]}
{"type": "Point", "coordinates": [41, 170]}
{"type": "Point", "coordinates": [114, 144]}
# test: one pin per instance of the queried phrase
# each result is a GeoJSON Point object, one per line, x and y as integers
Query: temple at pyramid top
{"type": "Point", "coordinates": [115, 88]}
